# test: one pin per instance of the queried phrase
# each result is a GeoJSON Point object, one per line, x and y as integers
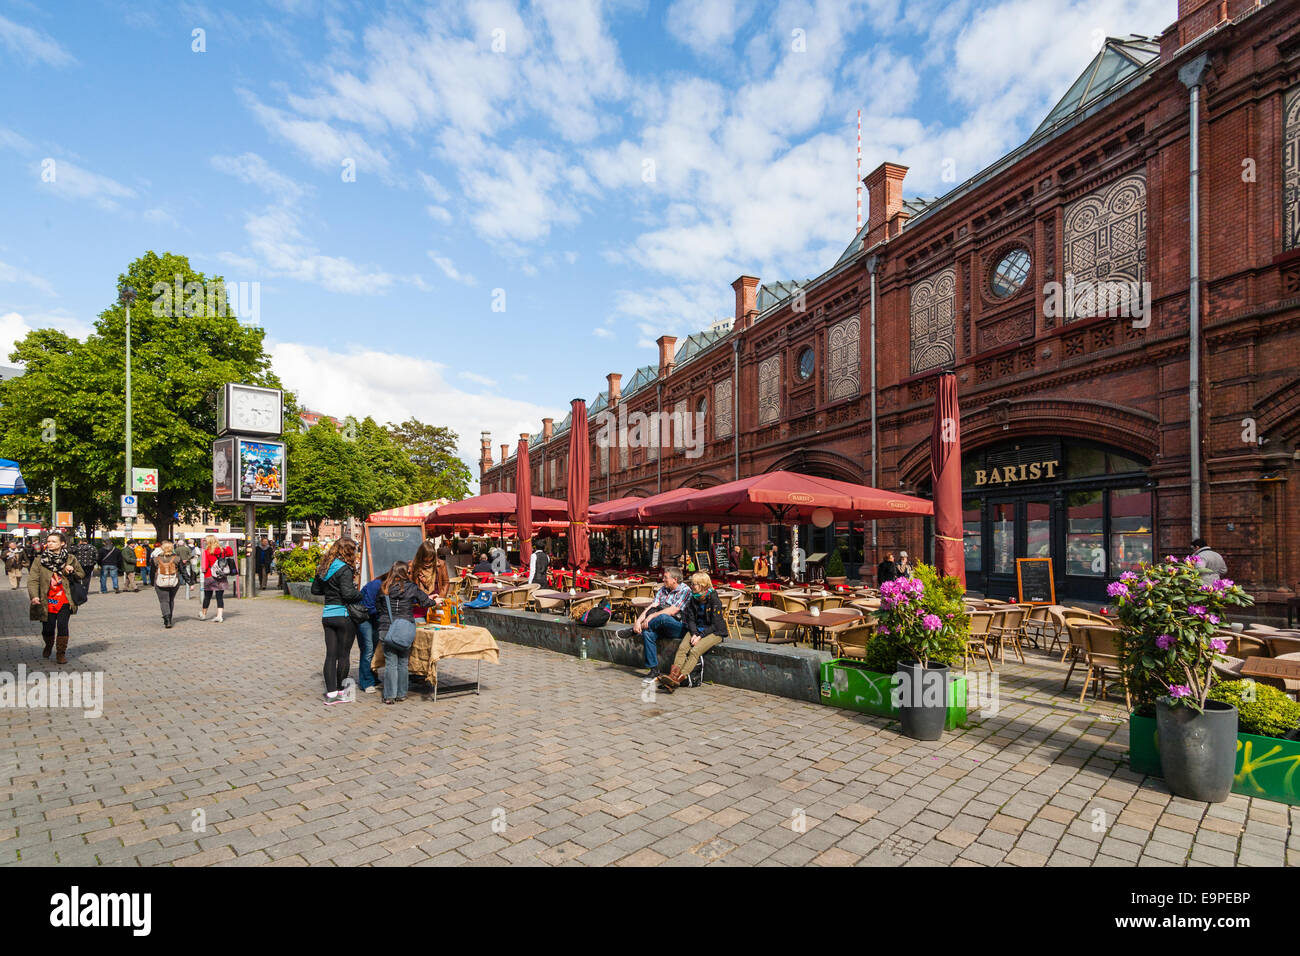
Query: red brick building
{"type": "Point", "coordinates": [1057, 285]}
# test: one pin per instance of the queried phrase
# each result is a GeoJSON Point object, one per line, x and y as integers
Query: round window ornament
{"type": "Point", "coordinates": [822, 517]}
{"type": "Point", "coordinates": [1009, 275]}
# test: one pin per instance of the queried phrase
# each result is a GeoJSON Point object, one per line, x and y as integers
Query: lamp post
{"type": "Point", "coordinates": [126, 295]}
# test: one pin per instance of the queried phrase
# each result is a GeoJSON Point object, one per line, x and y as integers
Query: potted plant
{"type": "Point", "coordinates": [920, 683]}
{"type": "Point", "coordinates": [835, 576]}
{"type": "Point", "coordinates": [1169, 619]}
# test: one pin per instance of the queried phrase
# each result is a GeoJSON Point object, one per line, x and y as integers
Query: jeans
{"type": "Point", "coordinates": [144, 574]}
{"type": "Point", "coordinates": [111, 571]}
{"type": "Point", "coordinates": [661, 625]}
{"type": "Point", "coordinates": [167, 600]}
{"type": "Point", "coordinates": [397, 672]}
{"type": "Point", "coordinates": [366, 638]}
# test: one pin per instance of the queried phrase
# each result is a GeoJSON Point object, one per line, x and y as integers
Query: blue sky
{"type": "Point", "coordinates": [611, 168]}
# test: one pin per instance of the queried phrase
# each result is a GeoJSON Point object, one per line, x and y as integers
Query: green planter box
{"type": "Point", "coordinates": [847, 683]}
{"type": "Point", "coordinates": [1267, 767]}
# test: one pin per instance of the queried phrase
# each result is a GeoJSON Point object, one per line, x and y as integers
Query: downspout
{"type": "Point", "coordinates": [659, 422]}
{"type": "Point", "coordinates": [735, 400]}
{"type": "Point", "coordinates": [1193, 76]}
{"type": "Point", "coordinates": [873, 262]}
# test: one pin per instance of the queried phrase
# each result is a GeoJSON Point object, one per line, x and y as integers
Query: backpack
{"type": "Point", "coordinates": [401, 631]}
{"type": "Point", "coordinates": [167, 576]}
{"type": "Point", "coordinates": [593, 617]}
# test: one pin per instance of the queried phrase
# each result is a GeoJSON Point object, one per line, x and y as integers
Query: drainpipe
{"type": "Point", "coordinates": [1193, 76]}
{"type": "Point", "coordinates": [659, 419]}
{"type": "Point", "coordinates": [735, 401]}
{"type": "Point", "coordinates": [873, 262]}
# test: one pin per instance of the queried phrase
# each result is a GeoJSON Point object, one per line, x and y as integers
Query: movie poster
{"type": "Point", "coordinates": [223, 470]}
{"type": "Point", "coordinates": [261, 471]}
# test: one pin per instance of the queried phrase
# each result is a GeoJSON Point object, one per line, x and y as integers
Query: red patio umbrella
{"type": "Point", "coordinates": [523, 493]}
{"type": "Point", "coordinates": [494, 508]}
{"type": "Point", "coordinates": [633, 510]}
{"type": "Point", "coordinates": [579, 486]}
{"type": "Point", "coordinates": [945, 474]}
{"type": "Point", "coordinates": [781, 496]}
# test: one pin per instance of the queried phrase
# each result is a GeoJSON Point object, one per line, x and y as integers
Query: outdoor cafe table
{"type": "Point", "coordinates": [561, 595]}
{"type": "Point", "coordinates": [433, 642]}
{"type": "Point", "coordinates": [1276, 668]}
{"type": "Point", "coordinates": [831, 618]}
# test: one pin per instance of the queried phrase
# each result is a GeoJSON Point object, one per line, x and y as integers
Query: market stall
{"type": "Point", "coordinates": [436, 642]}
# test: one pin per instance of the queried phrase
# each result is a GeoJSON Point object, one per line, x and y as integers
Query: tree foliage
{"type": "Point", "coordinates": [432, 450]}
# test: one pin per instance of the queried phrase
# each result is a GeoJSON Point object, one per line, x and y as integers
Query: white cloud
{"type": "Point", "coordinates": [254, 170]}
{"type": "Point", "coordinates": [161, 217]}
{"type": "Point", "coordinates": [449, 269]}
{"type": "Point", "coordinates": [708, 27]}
{"type": "Point", "coordinates": [478, 379]}
{"type": "Point", "coordinates": [438, 214]}
{"type": "Point", "coordinates": [15, 326]}
{"type": "Point", "coordinates": [32, 46]}
{"type": "Point", "coordinates": [602, 333]}
{"type": "Point", "coordinates": [69, 181]}
{"type": "Point", "coordinates": [13, 274]}
{"type": "Point", "coordinates": [274, 236]}
{"type": "Point", "coordinates": [344, 383]}
{"type": "Point", "coordinates": [318, 142]}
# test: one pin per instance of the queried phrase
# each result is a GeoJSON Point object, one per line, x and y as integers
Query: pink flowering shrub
{"type": "Point", "coordinates": [921, 618]}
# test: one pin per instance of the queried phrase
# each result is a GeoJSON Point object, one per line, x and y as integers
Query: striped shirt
{"type": "Point", "coordinates": [677, 597]}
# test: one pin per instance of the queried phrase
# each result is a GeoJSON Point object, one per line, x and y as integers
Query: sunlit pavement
{"type": "Point", "coordinates": [215, 749]}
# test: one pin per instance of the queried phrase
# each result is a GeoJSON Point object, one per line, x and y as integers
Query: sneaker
{"type": "Point", "coordinates": [332, 697]}
{"type": "Point", "coordinates": [650, 676]}
{"type": "Point", "coordinates": [626, 633]}
{"type": "Point", "coordinates": [371, 689]}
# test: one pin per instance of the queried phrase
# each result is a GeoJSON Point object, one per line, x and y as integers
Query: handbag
{"type": "Point", "coordinates": [401, 632]}
{"type": "Point", "coordinates": [79, 591]}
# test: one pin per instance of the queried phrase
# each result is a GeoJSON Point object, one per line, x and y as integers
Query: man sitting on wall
{"type": "Point", "coordinates": [663, 618]}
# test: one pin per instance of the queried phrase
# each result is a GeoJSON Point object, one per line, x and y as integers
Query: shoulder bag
{"type": "Point", "coordinates": [401, 631]}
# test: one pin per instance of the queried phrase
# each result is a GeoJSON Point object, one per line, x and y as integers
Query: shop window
{"type": "Point", "coordinates": [1082, 461]}
{"type": "Point", "coordinates": [1085, 551]}
{"type": "Point", "coordinates": [971, 537]}
{"type": "Point", "coordinates": [1130, 529]}
{"type": "Point", "coordinates": [1038, 529]}
{"type": "Point", "coordinates": [1004, 538]}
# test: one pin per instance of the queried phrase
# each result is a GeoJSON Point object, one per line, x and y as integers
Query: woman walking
{"type": "Point", "coordinates": [397, 599]}
{"type": "Point", "coordinates": [216, 570]}
{"type": "Point", "coordinates": [50, 586]}
{"type": "Point", "coordinates": [336, 580]}
{"type": "Point", "coordinates": [166, 579]}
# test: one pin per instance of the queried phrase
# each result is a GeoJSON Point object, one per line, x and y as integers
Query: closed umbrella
{"type": "Point", "coordinates": [945, 474]}
{"type": "Point", "coordinates": [523, 495]}
{"type": "Point", "coordinates": [579, 486]}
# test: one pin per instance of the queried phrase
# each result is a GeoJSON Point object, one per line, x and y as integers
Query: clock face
{"type": "Point", "coordinates": [254, 410]}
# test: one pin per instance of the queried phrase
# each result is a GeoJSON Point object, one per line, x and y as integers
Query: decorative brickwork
{"type": "Point", "coordinates": [769, 390]}
{"type": "Point", "coordinates": [1291, 171]}
{"type": "Point", "coordinates": [933, 335]}
{"type": "Point", "coordinates": [722, 411]}
{"type": "Point", "coordinates": [1106, 234]}
{"type": "Point", "coordinates": [843, 368]}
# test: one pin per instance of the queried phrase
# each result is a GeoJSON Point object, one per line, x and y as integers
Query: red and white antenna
{"type": "Point", "coordinates": [859, 171]}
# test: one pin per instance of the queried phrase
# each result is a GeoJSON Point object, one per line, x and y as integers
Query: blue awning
{"type": "Point", "coordinates": [11, 480]}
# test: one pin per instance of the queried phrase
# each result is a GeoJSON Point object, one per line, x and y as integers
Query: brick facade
{"type": "Point", "coordinates": [1107, 195]}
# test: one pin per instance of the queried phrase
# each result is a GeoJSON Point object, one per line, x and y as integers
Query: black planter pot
{"type": "Point", "coordinates": [923, 704]}
{"type": "Point", "coordinates": [1198, 752]}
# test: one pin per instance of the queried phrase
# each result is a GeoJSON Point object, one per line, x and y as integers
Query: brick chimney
{"type": "Point", "coordinates": [484, 454]}
{"type": "Point", "coordinates": [667, 348]}
{"type": "Point", "coordinates": [614, 382]}
{"type": "Point", "coordinates": [505, 453]}
{"type": "Point", "coordinates": [885, 214]}
{"type": "Point", "coordinates": [746, 301]}
{"type": "Point", "coordinates": [548, 428]}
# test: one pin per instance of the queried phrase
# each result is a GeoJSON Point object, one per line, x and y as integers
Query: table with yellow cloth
{"type": "Point", "coordinates": [434, 642]}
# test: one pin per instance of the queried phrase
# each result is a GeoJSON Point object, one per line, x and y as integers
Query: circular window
{"type": "Point", "coordinates": [1010, 273]}
{"type": "Point", "coordinates": [807, 363]}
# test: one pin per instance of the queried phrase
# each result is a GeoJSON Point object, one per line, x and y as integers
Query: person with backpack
{"type": "Point", "coordinates": [397, 597]}
{"type": "Point", "coordinates": [217, 563]}
{"type": "Point", "coordinates": [86, 557]}
{"type": "Point", "coordinates": [166, 579]}
{"type": "Point", "coordinates": [50, 585]}
{"type": "Point", "coordinates": [704, 627]}
{"type": "Point", "coordinates": [110, 563]}
{"type": "Point", "coordinates": [335, 580]}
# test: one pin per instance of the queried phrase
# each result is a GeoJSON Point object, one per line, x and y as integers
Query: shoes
{"type": "Point", "coordinates": [203, 615]}
{"type": "Point", "coordinates": [371, 689]}
{"type": "Point", "coordinates": [400, 699]}
{"type": "Point", "coordinates": [388, 700]}
{"type": "Point", "coordinates": [650, 675]}
{"type": "Point", "coordinates": [49, 648]}
{"type": "Point", "coordinates": [219, 618]}
{"type": "Point", "coordinates": [333, 697]}
{"type": "Point", "coordinates": [626, 633]}
{"type": "Point", "coordinates": [167, 620]}
{"type": "Point", "coordinates": [62, 658]}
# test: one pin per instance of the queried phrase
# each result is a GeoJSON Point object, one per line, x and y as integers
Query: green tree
{"type": "Point", "coordinates": [432, 450]}
{"type": "Point", "coordinates": [390, 473]}
{"type": "Point", "coordinates": [327, 478]}
{"type": "Point", "coordinates": [183, 349]}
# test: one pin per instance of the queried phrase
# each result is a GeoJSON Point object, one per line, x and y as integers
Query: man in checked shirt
{"type": "Point", "coordinates": [663, 618]}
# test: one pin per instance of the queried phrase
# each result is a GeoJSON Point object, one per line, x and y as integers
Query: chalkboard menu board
{"type": "Point", "coordinates": [1034, 581]}
{"type": "Point", "coordinates": [702, 561]}
{"type": "Point", "coordinates": [386, 544]}
{"type": "Point", "coordinates": [721, 559]}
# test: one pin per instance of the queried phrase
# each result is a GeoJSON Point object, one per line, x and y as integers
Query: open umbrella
{"type": "Point", "coordinates": [523, 492]}
{"type": "Point", "coordinates": [493, 509]}
{"type": "Point", "coordinates": [579, 486]}
{"type": "Point", "coordinates": [780, 496]}
{"type": "Point", "coordinates": [11, 479]}
{"type": "Point", "coordinates": [633, 510]}
{"type": "Point", "coordinates": [406, 514]}
{"type": "Point", "coordinates": [945, 473]}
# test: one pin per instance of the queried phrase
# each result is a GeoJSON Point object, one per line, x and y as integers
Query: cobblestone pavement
{"type": "Point", "coordinates": [214, 749]}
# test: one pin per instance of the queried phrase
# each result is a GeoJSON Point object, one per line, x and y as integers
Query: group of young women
{"type": "Point", "coordinates": [368, 613]}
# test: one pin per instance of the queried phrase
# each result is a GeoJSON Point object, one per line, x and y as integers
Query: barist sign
{"type": "Point", "coordinates": [1009, 474]}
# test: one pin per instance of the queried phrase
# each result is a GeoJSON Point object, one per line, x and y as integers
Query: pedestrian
{"type": "Point", "coordinates": [336, 581]}
{"type": "Point", "coordinates": [166, 579]}
{"type": "Point", "coordinates": [186, 555]}
{"type": "Point", "coordinates": [904, 566]}
{"type": "Point", "coordinates": [50, 586]}
{"type": "Point", "coordinates": [216, 569]}
{"type": "Point", "coordinates": [128, 566]}
{"type": "Point", "coordinates": [398, 597]}
{"type": "Point", "coordinates": [366, 634]}
{"type": "Point", "coordinates": [86, 556]}
{"type": "Point", "coordinates": [538, 564]}
{"type": "Point", "coordinates": [110, 564]}
{"type": "Point", "coordinates": [887, 570]}
{"type": "Point", "coordinates": [142, 562]}
{"type": "Point", "coordinates": [15, 559]}
{"type": "Point", "coordinates": [1212, 564]}
{"type": "Point", "coordinates": [263, 556]}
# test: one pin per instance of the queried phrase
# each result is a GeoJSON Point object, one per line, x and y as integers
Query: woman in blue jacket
{"type": "Point", "coordinates": [336, 580]}
{"type": "Point", "coordinates": [402, 596]}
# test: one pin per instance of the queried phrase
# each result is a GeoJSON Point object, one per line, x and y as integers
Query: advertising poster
{"type": "Point", "coordinates": [223, 470]}
{"type": "Point", "coordinates": [261, 471]}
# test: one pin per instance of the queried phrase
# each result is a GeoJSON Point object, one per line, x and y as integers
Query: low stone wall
{"type": "Point", "coordinates": [302, 591]}
{"type": "Point", "coordinates": [780, 669]}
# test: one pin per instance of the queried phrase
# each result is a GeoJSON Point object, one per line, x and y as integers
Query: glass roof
{"type": "Point", "coordinates": [1118, 60]}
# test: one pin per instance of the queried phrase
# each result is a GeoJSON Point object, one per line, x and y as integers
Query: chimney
{"type": "Point", "coordinates": [667, 344]}
{"type": "Point", "coordinates": [505, 453]}
{"type": "Point", "coordinates": [746, 301]}
{"type": "Point", "coordinates": [614, 382]}
{"type": "Point", "coordinates": [484, 454]}
{"type": "Point", "coordinates": [548, 428]}
{"type": "Point", "coordinates": [885, 214]}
